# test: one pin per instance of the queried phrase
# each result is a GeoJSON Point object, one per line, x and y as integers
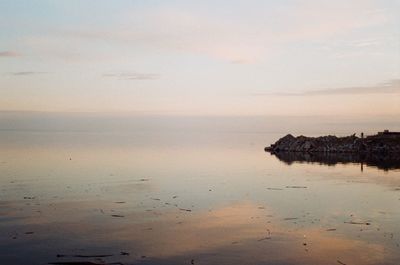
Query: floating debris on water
{"type": "Point", "coordinates": [290, 218]}
{"type": "Point", "coordinates": [84, 256]}
{"type": "Point", "coordinates": [83, 263]}
{"type": "Point", "coordinates": [357, 223]}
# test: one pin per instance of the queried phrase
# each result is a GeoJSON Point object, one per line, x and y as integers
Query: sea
{"type": "Point", "coordinates": [112, 188]}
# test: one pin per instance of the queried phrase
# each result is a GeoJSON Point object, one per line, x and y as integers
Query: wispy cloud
{"type": "Point", "coordinates": [133, 76]}
{"type": "Point", "coordinates": [26, 73]}
{"type": "Point", "coordinates": [9, 54]}
{"type": "Point", "coordinates": [389, 87]}
{"type": "Point", "coordinates": [245, 41]}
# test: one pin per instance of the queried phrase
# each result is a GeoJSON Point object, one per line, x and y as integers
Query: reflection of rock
{"type": "Point", "coordinates": [381, 161]}
{"type": "Point", "coordinates": [386, 142]}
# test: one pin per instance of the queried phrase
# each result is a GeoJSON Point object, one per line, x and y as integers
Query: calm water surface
{"type": "Point", "coordinates": [196, 197]}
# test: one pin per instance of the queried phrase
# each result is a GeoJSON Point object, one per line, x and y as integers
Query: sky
{"type": "Point", "coordinates": [240, 58]}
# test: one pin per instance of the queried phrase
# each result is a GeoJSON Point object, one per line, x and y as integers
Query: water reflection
{"type": "Point", "coordinates": [188, 203]}
{"type": "Point", "coordinates": [384, 162]}
{"type": "Point", "coordinates": [235, 234]}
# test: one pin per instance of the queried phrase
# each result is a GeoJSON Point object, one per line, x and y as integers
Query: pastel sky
{"type": "Point", "coordinates": [201, 57]}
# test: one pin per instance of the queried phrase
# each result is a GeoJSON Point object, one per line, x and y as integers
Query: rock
{"type": "Point", "coordinates": [383, 143]}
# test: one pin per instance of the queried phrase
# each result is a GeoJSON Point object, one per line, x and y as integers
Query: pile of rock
{"type": "Point", "coordinates": [379, 143]}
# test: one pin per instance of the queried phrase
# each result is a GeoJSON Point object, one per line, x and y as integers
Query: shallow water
{"type": "Point", "coordinates": [187, 197]}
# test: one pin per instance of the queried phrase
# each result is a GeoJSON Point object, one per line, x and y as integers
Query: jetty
{"type": "Point", "coordinates": [382, 143]}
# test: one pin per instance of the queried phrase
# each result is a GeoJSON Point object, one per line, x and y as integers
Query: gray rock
{"type": "Point", "coordinates": [384, 142]}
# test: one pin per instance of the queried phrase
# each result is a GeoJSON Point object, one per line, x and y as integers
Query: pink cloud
{"type": "Point", "coordinates": [9, 54]}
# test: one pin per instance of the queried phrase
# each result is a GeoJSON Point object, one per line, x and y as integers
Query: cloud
{"type": "Point", "coordinates": [27, 73]}
{"type": "Point", "coordinates": [9, 54]}
{"type": "Point", "coordinates": [179, 30]}
{"type": "Point", "coordinates": [389, 87]}
{"type": "Point", "coordinates": [133, 76]}
{"type": "Point", "coordinates": [311, 20]}
{"type": "Point", "coordinates": [242, 37]}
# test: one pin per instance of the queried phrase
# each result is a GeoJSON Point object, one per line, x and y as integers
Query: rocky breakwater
{"type": "Point", "coordinates": [382, 143]}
